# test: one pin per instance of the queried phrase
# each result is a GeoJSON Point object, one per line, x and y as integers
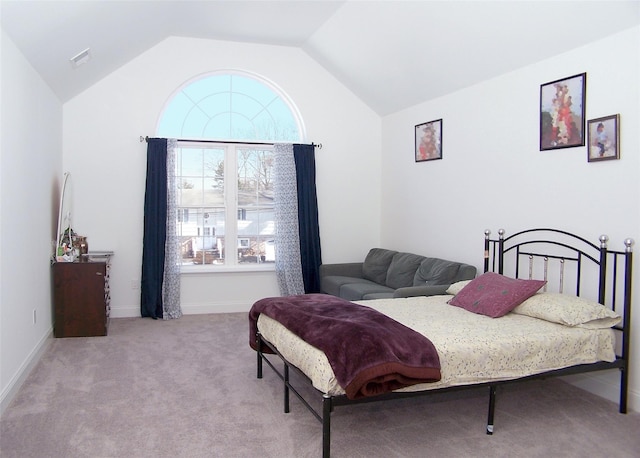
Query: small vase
{"type": "Point", "coordinates": [84, 246]}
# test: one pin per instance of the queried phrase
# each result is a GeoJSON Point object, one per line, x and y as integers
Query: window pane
{"type": "Point", "coordinates": [203, 238]}
{"type": "Point", "coordinates": [207, 85]}
{"type": "Point", "coordinates": [172, 119]}
{"type": "Point", "coordinates": [256, 89]}
{"type": "Point", "coordinates": [255, 204]}
{"type": "Point", "coordinates": [255, 235]}
{"type": "Point", "coordinates": [218, 127]}
{"type": "Point", "coordinates": [244, 128]}
{"type": "Point", "coordinates": [213, 162]}
{"type": "Point", "coordinates": [200, 177]}
{"type": "Point", "coordinates": [189, 162]}
{"type": "Point", "coordinates": [255, 177]}
{"type": "Point", "coordinates": [214, 104]}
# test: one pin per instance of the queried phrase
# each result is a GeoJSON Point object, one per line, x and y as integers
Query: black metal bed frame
{"type": "Point", "coordinates": [569, 248]}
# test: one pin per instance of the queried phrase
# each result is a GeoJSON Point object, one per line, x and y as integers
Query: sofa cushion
{"type": "Point", "coordinates": [356, 291]}
{"type": "Point", "coordinates": [466, 272]}
{"type": "Point", "coordinates": [372, 296]}
{"type": "Point", "coordinates": [402, 270]}
{"type": "Point", "coordinates": [376, 264]}
{"type": "Point", "coordinates": [331, 284]}
{"type": "Point", "coordinates": [434, 271]}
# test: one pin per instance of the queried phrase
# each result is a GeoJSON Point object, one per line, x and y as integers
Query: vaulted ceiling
{"type": "Point", "coordinates": [392, 54]}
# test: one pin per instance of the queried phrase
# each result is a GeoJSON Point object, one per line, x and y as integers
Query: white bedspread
{"type": "Point", "coordinates": [473, 348]}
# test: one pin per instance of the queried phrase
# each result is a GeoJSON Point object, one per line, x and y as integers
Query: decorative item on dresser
{"type": "Point", "coordinates": [82, 296]}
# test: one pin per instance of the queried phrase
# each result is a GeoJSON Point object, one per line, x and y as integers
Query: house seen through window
{"type": "Point", "coordinates": [225, 188]}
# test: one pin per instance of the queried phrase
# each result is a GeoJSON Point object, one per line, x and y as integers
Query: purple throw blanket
{"type": "Point", "coordinates": [369, 352]}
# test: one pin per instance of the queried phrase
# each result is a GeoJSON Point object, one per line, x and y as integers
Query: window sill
{"type": "Point", "coordinates": [209, 269]}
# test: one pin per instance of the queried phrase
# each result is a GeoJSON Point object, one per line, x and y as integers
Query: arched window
{"type": "Point", "coordinates": [221, 221]}
{"type": "Point", "coordinates": [231, 106]}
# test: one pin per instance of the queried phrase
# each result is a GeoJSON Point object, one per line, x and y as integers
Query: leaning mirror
{"type": "Point", "coordinates": [64, 245]}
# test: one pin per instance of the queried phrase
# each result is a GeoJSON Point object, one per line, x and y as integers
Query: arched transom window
{"type": "Point", "coordinates": [230, 106]}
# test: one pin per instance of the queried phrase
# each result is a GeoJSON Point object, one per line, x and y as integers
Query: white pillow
{"type": "Point", "coordinates": [568, 310]}
{"type": "Point", "coordinates": [457, 287]}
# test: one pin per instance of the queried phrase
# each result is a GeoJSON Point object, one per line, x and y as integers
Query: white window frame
{"type": "Point", "coordinates": [231, 240]}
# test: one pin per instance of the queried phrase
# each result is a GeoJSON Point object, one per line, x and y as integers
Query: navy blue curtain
{"type": "Point", "coordinates": [155, 229]}
{"type": "Point", "coordinates": [309, 228]}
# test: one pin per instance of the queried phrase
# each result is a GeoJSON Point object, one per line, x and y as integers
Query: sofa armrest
{"type": "Point", "coordinates": [426, 290]}
{"type": "Point", "coordinates": [347, 269]}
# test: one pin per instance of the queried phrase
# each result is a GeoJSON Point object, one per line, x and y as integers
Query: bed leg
{"type": "Point", "coordinates": [259, 353]}
{"type": "Point", "coordinates": [492, 408]}
{"type": "Point", "coordinates": [326, 426]}
{"type": "Point", "coordinates": [624, 386]}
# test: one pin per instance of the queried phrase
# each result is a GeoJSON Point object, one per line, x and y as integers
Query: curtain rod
{"type": "Point", "coordinates": [146, 139]}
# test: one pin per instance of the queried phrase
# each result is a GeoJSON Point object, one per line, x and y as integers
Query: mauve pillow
{"type": "Point", "coordinates": [495, 295]}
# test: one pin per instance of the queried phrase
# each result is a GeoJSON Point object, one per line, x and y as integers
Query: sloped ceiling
{"type": "Point", "coordinates": [392, 54]}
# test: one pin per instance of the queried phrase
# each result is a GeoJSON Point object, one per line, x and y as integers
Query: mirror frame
{"type": "Point", "coordinates": [65, 210]}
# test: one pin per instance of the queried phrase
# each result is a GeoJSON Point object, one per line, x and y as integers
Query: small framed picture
{"type": "Point", "coordinates": [562, 108]}
{"type": "Point", "coordinates": [604, 134]}
{"type": "Point", "coordinates": [429, 141]}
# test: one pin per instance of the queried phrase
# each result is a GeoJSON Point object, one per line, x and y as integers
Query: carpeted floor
{"type": "Point", "coordinates": [187, 388]}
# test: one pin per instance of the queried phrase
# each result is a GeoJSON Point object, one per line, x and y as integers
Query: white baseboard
{"type": "Point", "coordinates": [224, 307]}
{"type": "Point", "coordinates": [188, 309]}
{"type": "Point", "coordinates": [21, 375]}
{"type": "Point", "coordinates": [606, 385]}
{"type": "Point", "coordinates": [125, 312]}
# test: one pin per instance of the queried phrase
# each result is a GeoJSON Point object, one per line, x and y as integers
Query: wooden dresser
{"type": "Point", "coordinates": [81, 298]}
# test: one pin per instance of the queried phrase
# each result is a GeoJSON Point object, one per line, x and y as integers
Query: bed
{"type": "Point", "coordinates": [572, 315]}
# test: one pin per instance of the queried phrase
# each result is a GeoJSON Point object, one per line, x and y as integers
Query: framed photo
{"type": "Point", "coordinates": [429, 141]}
{"type": "Point", "coordinates": [562, 111]}
{"type": "Point", "coordinates": [604, 134]}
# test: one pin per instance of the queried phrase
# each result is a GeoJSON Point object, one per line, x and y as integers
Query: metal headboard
{"type": "Point", "coordinates": [543, 248]}
{"type": "Point", "coordinates": [554, 247]}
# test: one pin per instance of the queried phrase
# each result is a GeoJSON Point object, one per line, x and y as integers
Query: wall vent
{"type": "Point", "coordinates": [80, 58]}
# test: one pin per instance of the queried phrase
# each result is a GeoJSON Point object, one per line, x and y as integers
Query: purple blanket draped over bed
{"type": "Point", "coordinates": [369, 352]}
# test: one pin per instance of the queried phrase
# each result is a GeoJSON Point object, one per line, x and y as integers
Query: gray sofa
{"type": "Point", "coordinates": [387, 274]}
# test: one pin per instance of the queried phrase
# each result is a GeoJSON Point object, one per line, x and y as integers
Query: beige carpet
{"type": "Point", "coordinates": [187, 388]}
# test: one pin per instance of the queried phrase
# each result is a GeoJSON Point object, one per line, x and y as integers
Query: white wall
{"type": "Point", "coordinates": [368, 194]}
{"type": "Point", "coordinates": [493, 174]}
{"type": "Point", "coordinates": [30, 179]}
{"type": "Point", "coordinates": [102, 127]}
